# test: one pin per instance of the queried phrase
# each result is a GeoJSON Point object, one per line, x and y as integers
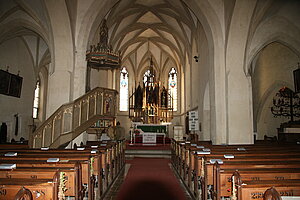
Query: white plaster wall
{"type": "Point", "coordinates": [60, 88]}
{"type": "Point", "coordinates": [15, 54]}
{"type": "Point", "coordinates": [273, 70]}
{"type": "Point", "coordinates": [187, 86]}
{"type": "Point", "coordinates": [202, 78]}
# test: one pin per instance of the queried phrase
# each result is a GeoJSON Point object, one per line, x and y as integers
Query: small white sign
{"type": "Point", "coordinates": [193, 121]}
{"type": "Point", "coordinates": [194, 125]}
{"type": "Point", "coordinates": [213, 161]}
{"type": "Point", "coordinates": [53, 160]}
{"type": "Point", "coordinates": [8, 166]}
{"type": "Point", "coordinates": [149, 138]}
{"type": "Point", "coordinates": [228, 156]}
{"type": "Point", "coordinates": [193, 115]}
{"type": "Point", "coordinates": [11, 154]}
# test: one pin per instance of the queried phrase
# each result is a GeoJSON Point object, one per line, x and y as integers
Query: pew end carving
{"type": "Point", "coordinates": [271, 194]}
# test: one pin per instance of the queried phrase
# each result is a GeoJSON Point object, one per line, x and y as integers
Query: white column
{"type": "Point", "coordinates": [239, 91]}
{"type": "Point", "coordinates": [79, 77]}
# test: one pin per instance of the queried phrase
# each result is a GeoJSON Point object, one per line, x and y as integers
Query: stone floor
{"type": "Point", "coordinates": [112, 193]}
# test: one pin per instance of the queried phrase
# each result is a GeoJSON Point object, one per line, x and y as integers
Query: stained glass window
{"type": "Point", "coordinates": [172, 87]}
{"type": "Point", "coordinates": [124, 90]}
{"type": "Point", "coordinates": [36, 100]}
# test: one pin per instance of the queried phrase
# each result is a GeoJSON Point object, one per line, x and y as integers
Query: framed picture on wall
{"type": "Point", "coordinates": [15, 86]}
{"type": "Point", "coordinates": [4, 82]}
{"type": "Point", "coordinates": [10, 84]}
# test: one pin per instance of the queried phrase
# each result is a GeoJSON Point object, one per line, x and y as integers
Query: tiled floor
{"type": "Point", "coordinates": [112, 194]}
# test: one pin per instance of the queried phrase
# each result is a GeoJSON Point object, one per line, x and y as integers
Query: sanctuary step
{"type": "Point", "coordinates": [148, 151]}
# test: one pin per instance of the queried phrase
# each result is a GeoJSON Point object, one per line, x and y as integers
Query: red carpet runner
{"type": "Point", "coordinates": [150, 179]}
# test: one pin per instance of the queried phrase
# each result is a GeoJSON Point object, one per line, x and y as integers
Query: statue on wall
{"type": "Point", "coordinates": [164, 98]}
{"type": "Point", "coordinates": [138, 98]}
{"type": "Point", "coordinates": [150, 95]}
{"type": "Point", "coordinates": [156, 94]}
{"type": "Point", "coordinates": [16, 124]}
{"type": "Point", "coordinates": [103, 35]}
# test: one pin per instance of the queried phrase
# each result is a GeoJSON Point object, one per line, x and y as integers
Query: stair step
{"type": "Point", "coordinates": [148, 153]}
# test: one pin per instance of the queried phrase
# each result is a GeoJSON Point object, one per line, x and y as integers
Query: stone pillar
{"type": "Point", "coordinates": [238, 85]}
{"type": "Point", "coordinates": [79, 74]}
{"type": "Point", "coordinates": [58, 90]}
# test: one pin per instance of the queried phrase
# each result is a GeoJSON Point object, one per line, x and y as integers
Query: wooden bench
{"type": "Point", "coordinates": [222, 184]}
{"type": "Point", "coordinates": [69, 179]}
{"type": "Point", "coordinates": [195, 169]}
{"type": "Point", "coordinates": [244, 190]}
{"type": "Point", "coordinates": [96, 166]}
{"type": "Point", "coordinates": [40, 189]}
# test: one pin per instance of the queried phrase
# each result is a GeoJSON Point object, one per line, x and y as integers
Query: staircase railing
{"type": "Point", "coordinates": [71, 119]}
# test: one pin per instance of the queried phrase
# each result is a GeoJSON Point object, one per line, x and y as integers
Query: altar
{"type": "Point", "coordinates": [149, 138]}
{"type": "Point", "coordinates": [150, 134]}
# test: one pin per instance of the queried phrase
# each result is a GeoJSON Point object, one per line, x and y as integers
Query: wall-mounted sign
{"type": "Point", "coordinates": [193, 121]}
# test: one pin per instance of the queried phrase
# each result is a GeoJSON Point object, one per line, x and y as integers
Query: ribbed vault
{"type": "Point", "coordinates": [140, 29]}
{"type": "Point", "coordinates": [18, 19]}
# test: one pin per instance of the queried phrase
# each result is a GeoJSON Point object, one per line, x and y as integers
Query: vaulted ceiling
{"type": "Point", "coordinates": [162, 29]}
{"type": "Point", "coordinates": [25, 20]}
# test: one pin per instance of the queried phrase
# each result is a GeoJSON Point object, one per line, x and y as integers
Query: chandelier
{"type": "Point", "coordinates": [286, 103]}
{"type": "Point", "coordinates": [101, 56]}
{"type": "Point", "coordinates": [150, 103]}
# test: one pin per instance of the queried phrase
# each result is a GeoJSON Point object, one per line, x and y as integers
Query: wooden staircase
{"type": "Point", "coordinates": [73, 118]}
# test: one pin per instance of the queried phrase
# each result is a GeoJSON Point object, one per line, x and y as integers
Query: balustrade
{"type": "Point", "coordinates": [73, 118]}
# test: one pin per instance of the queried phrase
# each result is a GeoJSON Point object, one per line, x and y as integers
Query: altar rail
{"type": "Point", "coordinates": [71, 119]}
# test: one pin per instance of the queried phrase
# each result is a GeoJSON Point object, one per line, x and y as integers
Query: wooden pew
{"type": "Point", "coordinates": [222, 186]}
{"type": "Point", "coordinates": [46, 189]}
{"type": "Point", "coordinates": [101, 167]}
{"type": "Point", "coordinates": [71, 174]}
{"type": "Point", "coordinates": [244, 190]}
{"type": "Point", "coordinates": [37, 160]}
{"type": "Point", "coordinates": [243, 164]}
{"type": "Point", "coordinates": [184, 157]}
{"type": "Point", "coordinates": [104, 164]}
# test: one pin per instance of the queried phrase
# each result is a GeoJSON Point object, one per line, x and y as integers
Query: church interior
{"type": "Point", "coordinates": [149, 99]}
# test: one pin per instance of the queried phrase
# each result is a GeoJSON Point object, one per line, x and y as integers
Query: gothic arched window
{"type": "Point", "coordinates": [36, 100]}
{"type": "Point", "coordinates": [124, 90]}
{"type": "Point", "coordinates": [172, 87]}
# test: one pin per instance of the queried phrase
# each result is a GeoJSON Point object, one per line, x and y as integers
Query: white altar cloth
{"type": "Point", "coordinates": [149, 137]}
